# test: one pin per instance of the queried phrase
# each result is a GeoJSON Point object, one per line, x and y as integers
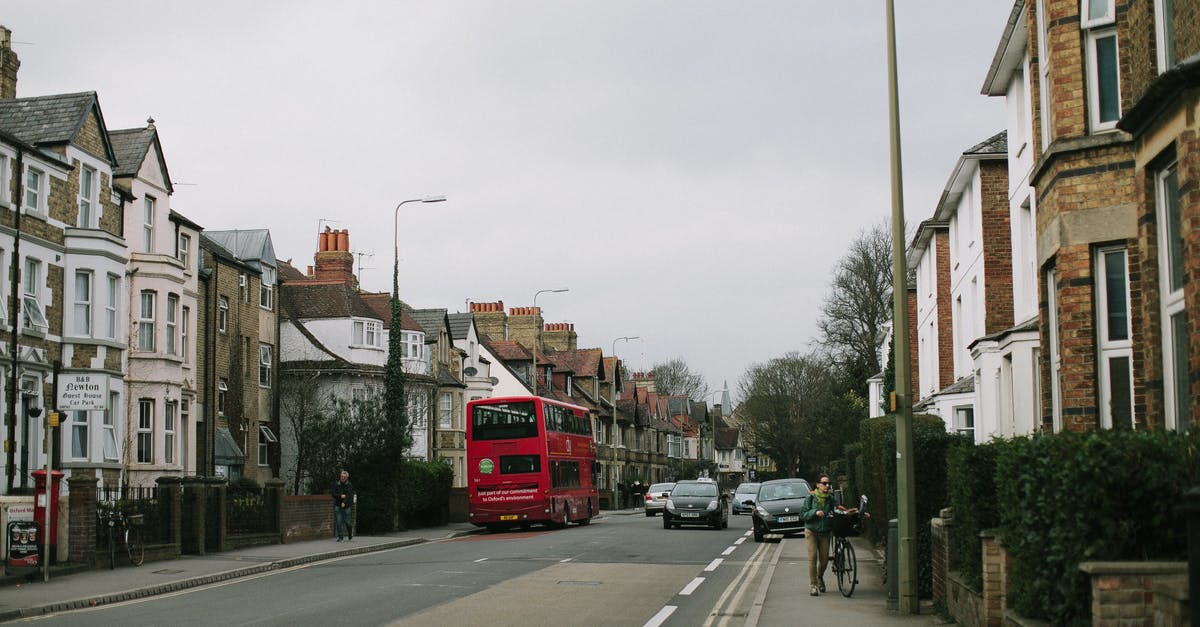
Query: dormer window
{"type": "Point", "coordinates": [412, 345]}
{"type": "Point", "coordinates": [367, 333]}
{"type": "Point", "coordinates": [87, 197]}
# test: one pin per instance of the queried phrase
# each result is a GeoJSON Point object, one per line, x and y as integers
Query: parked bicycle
{"type": "Point", "coordinates": [127, 530]}
{"type": "Point", "coordinates": [847, 523]}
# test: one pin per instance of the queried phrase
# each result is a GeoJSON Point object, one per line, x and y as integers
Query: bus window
{"type": "Point", "coordinates": [517, 464]}
{"type": "Point", "coordinates": [504, 422]}
{"type": "Point", "coordinates": [564, 474]}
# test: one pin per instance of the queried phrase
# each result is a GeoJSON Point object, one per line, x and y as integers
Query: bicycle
{"type": "Point", "coordinates": [847, 524]}
{"type": "Point", "coordinates": [129, 529]}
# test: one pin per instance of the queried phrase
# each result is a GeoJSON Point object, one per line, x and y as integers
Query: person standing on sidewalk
{"type": "Point", "coordinates": [817, 515]}
{"type": "Point", "coordinates": [343, 501]}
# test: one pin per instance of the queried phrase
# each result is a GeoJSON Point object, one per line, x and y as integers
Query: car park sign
{"type": "Point", "coordinates": [82, 391]}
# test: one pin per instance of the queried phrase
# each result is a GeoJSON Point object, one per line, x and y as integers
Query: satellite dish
{"type": "Point", "coordinates": [470, 371]}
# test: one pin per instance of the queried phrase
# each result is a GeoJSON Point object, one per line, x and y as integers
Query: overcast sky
{"type": "Point", "coordinates": [690, 170]}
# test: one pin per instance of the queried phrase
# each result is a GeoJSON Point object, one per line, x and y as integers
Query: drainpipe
{"type": "Point", "coordinates": [15, 301]}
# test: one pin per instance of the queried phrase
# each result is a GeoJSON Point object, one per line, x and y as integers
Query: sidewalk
{"type": "Point", "coordinates": [75, 589]}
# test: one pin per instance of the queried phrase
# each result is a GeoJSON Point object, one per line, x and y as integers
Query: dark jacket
{"type": "Point", "coordinates": [343, 494]}
{"type": "Point", "coordinates": [808, 513]}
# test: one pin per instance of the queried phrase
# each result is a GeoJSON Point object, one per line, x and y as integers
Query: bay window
{"type": "Point", "coordinates": [1115, 349]}
{"type": "Point", "coordinates": [1176, 366]}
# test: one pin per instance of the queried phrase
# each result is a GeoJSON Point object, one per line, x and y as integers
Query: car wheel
{"type": "Point", "coordinates": [758, 535]}
{"type": "Point", "coordinates": [666, 521]}
{"type": "Point", "coordinates": [649, 514]}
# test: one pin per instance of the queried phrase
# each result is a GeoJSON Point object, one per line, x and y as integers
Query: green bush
{"type": "Point", "coordinates": [1106, 495]}
{"type": "Point", "coordinates": [425, 493]}
{"type": "Point", "coordinates": [970, 473]}
{"type": "Point", "coordinates": [930, 444]}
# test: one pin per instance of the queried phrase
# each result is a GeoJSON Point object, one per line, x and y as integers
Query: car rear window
{"type": "Point", "coordinates": [662, 487]}
{"type": "Point", "coordinates": [694, 489]}
{"type": "Point", "coordinates": [747, 488]}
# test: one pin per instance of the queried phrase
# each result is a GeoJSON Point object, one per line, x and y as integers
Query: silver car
{"type": "Point", "coordinates": [744, 498]}
{"type": "Point", "coordinates": [656, 497]}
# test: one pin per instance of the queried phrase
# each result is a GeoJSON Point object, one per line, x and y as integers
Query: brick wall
{"type": "Point", "coordinates": [997, 246]}
{"type": "Point", "coordinates": [945, 311]}
{"type": "Point", "coordinates": [308, 517]}
{"type": "Point", "coordinates": [914, 354]}
{"type": "Point", "coordinates": [82, 536]}
{"type": "Point", "coordinates": [1123, 593]}
{"type": "Point", "coordinates": [524, 324]}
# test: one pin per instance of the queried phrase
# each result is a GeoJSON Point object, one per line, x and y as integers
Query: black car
{"type": "Point", "coordinates": [696, 503]}
{"type": "Point", "coordinates": [777, 508]}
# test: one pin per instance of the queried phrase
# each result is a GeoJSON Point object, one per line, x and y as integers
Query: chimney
{"type": "Point", "coordinates": [560, 336]}
{"type": "Point", "coordinates": [334, 261]}
{"type": "Point", "coordinates": [490, 319]}
{"type": "Point", "coordinates": [9, 64]}
{"type": "Point", "coordinates": [523, 326]}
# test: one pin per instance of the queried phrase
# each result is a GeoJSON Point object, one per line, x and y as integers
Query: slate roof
{"type": "Point", "coordinates": [509, 350]}
{"type": "Point", "coordinates": [995, 145]}
{"type": "Point", "coordinates": [288, 272]}
{"type": "Point", "coordinates": [460, 325]}
{"type": "Point", "coordinates": [52, 120]}
{"type": "Point", "coordinates": [131, 145]}
{"type": "Point", "coordinates": [727, 437]}
{"type": "Point", "coordinates": [252, 246]}
{"type": "Point", "coordinates": [432, 320]}
{"type": "Point", "coordinates": [322, 300]}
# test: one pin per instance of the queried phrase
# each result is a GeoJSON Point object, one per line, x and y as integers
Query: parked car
{"type": "Point", "coordinates": [777, 507]}
{"type": "Point", "coordinates": [743, 498]}
{"type": "Point", "coordinates": [696, 503]}
{"type": "Point", "coordinates": [656, 497]}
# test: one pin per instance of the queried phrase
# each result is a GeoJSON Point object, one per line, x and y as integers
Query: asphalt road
{"type": "Point", "coordinates": [620, 570]}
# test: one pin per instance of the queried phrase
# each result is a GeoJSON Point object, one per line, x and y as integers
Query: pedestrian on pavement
{"type": "Point", "coordinates": [343, 501]}
{"type": "Point", "coordinates": [817, 514]}
{"type": "Point", "coordinates": [639, 494]}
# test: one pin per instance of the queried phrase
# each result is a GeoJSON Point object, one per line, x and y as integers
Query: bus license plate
{"type": "Point", "coordinates": [509, 517]}
{"type": "Point", "coordinates": [784, 519]}
{"type": "Point", "coordinates": [690, 514]}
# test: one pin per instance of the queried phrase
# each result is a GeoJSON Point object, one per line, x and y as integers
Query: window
{"type": "Point", "coordinates": [79, 435]}
{"type": "Point", "coordinates": [1044, 73]}
{"type": "Point", "coordinates": [35, 190]}
{"type": "Point", "coordinates": [1113, 330]}
{"type": "Point", "coordinates": [266, 288]}
{"type": "Point", "coordinates": [1055, 352]}
{"type": "Point", "coordinates": [367, 333]}
{"type": "Point", "coordinates": [148, 224]}
{"type": "Point", "coordinates": [110, 426]}
{"type": "Point", "coordinates": [170, 410]}
{"type": "Point", "coordinates": [1164, 19]}
{"type": "Point", "coordinates": [266, 438]}
{"type": "Point", "coordinates": [83, 303]}
{"type": "Point", "coordinates": [411, 345]}
{"type": "Point", "coordinates": [222, 389]}
{"type": "Point", "coordinates": [146, 321]}
{"type": "Point", "coordinates": [87, 197]}
{"type": "Point", "coordinates": [1103, 73]}
{"type": "Point", "coordinates": [172, 322]}
{"type": "Point", "coordinates": [445, 411]}
{"type": "Point", "coordinates": [184, 253]}
{"type": "Point", "coordinates": [32, 307]}
{"type": "Point", "coordinates": [145, 431]}
{"type": "Point", "coordinates": [183, 333]}
{"type": "Point", "coordinates": [1176, 382]}
{"type": "Point", "coordinates": [184, 407]}
{"type": "Point", "coordinates": [110, 307]}
{"type": "Point", "coordinates": [222, 313]}
{"type": "Point", "coordinates": [264, 365]}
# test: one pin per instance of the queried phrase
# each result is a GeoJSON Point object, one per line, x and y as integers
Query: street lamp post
{"type": "Point", "coordinates": [396, 243]}
{"type": "Point", "coordinates": [612, 445]}
{"type": "Point", "coordinates": [538, 332]}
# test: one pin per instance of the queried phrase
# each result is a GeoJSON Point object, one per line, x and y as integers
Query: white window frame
{"type": "Point", "coordinates": [266, 438]}
{"type": "Point", "coordinates": [184, 323]}
{"type": "Point", "coordinates": [445, 411]}
{"type": "Point", "coordinates": [1092, 36]}
{"type": "Point", "coordinates": [1044, 93]}
{"type": "Point", "coordinates": [172, 324]}
{"type": "Point", "coordinates": [36, 183]}
{"type": "Point", "coordinates": [83, 303]}
{"type": "Point", "coordinates": [3, 301]}
{"type": "Point", "coordinates": [222, 396]}
{"type": "Point", "coordinates": [1109, 349]}
{"type": "Point", "coordinates": [170, 417]}
{"type": "Point", "coordinates": [264, 365]}
{"type": "Point", "coordinates": [87, 197]}
{"type": "Point", "coordinates": [184, 254]}
{"type": "Point", "coordinates": [109, 427]}
{"type": "Point", "coordinates": [1171, 300]}
{"type": "Point", "coordinates": [80, 430]}
{"type": "Point", "coordinates": [222, 313]}
{"type": "Point", "coordinates": [110, 306]}
{"type": "Point", "coordinates": [1055, 357]}
{"type": "Point", "coordinates": [1164, 34]}
{"type": "Point", "coordinates": [34, 318]}
{"type": "Point", "coordinates": [149, 206]}
{"type": "Point", "coordinates": [266, 288]}
{"type": "Point", "coordinates": [144, 440]}
{"type": "Point", "coordinates": [1085, 12]}
{"type": "Point", "coordinates": [146, 331]}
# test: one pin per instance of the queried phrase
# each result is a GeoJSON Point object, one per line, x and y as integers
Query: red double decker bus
{"type": "Point", "coordinates": [529, 460]}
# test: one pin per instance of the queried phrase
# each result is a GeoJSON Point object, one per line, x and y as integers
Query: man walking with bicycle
{"type": "Point", "coordinates": [343, 500]}
{"type": "Point", "coordinates": [817, 514]}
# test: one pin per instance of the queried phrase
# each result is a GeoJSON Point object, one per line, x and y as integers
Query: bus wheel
{"type": "Point", "coordinates": [566, 520]}
{"type": "Point", "coordinates": [588, 519]}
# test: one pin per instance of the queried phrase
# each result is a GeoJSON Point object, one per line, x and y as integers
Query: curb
{"type": "Point", "coordinates": [195, 582]}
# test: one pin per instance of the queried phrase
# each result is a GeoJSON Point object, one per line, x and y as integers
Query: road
{"type": "Point", "coordinates": [620, 570]}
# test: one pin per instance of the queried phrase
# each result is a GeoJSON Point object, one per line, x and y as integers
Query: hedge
{"type": "Point", "coordinates": [930, 443]}
{"type": "Point", "coordinates": [1105, 495]}
{"type": "Point", "coordinates": [970, 472]}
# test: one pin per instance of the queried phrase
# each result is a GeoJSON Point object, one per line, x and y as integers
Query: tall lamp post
{"type": "Point", "coordinates": [906, 494]}
{"type": "Point", "coordinates": [612, 445]}
{"type": "Point", "coordinates": [538, 332]}
{"type": "Point", "coordinates": [394, 405]}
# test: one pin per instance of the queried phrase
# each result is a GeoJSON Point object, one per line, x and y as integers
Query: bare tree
{"type": "Point", "coordinates": [301, 409]}
{"type": "Point", "coordinates": [675, 378]}
{"type": "Point", "coordinates": [859, 304]}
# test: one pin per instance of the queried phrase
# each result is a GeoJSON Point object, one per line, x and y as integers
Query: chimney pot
{"type": "Point", "coordinates": [343, 241]}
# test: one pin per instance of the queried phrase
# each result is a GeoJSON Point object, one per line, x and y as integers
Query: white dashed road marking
{"type": "Point", "coordinates": [713, 565]}
{"type": "Point", "coordinates": [661, 617]}
{"type": "Point", "coordinates": [728, 550]}
{"type": "Point", "coordinates": [480, 560]}
{"type": "Point", "coordinates": [739, 540]}
{"type": "Point", "coordinates": [691, 587]}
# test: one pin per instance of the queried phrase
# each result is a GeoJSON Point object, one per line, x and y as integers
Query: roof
{"type": "Point", "coordinates": [584, 362]}
{"type": "Point", "coordinates": [288, 272]}
{"type": "Point", "coordinates": [53, 120]}
{"type": "Point", "coordinates": [1163, 93]}
{"type": "Point", "coordinates": [460, 325]}
{"type": "Point", "coordinates": [252, 246]}
{"type": "Point", "coordinates": [131, 145]}
{"type": "Point", "coordinates": [509, 350]}
{"type": "Point", "coordinates": [316, 300]}
{"type": "Point", "coordinates": [224, 254]}
{"type": "Point", "coordinates": [1009, 53]}
{"type": "Point", "coordinates": [381, 304]}
{"type": "Point", "coordinates": [432, 320]}
{"type": "Point", "coordinates": [727, 437]}
{"type": "Point", "coordinates": [995, 145]}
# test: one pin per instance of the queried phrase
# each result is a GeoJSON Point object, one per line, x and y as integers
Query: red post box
{"type": "Point", "coordinates": [41, 504]}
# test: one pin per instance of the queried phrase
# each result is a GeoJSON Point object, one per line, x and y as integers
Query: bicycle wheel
{"type": "Point", "coordinates": [848, 575]}
{"type": "Point", "coordinates": [133, 542]}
